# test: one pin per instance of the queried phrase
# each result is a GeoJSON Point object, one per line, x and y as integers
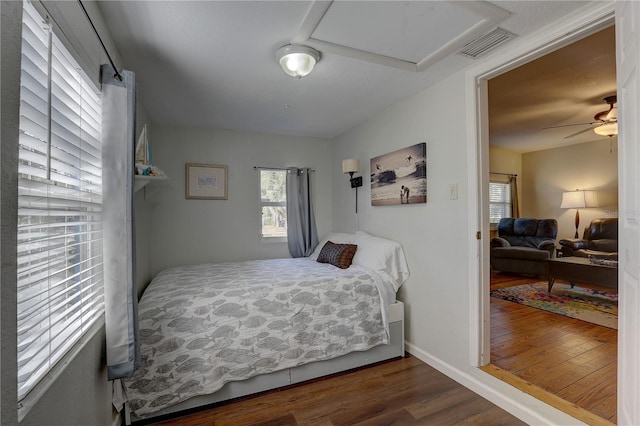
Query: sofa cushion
{"type": "Point", "coordinates": [604, 245]}
{"type": "Point", "coordinates": [602, 228]}
{"type": "Point", "coordinates": [523, 253]}
{"type": "Point", "coordinates": [527, 232]}
{"type": "Point", "coordinates": [524, 227]}
{"type": "Point", "coordinates": [547, 228]}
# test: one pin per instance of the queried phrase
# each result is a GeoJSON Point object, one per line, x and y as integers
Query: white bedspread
{"type": "Point", "coordinates": [202, 326]}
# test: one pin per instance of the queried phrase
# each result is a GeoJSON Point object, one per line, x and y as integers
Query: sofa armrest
{"type": "Point", "coordinates": [499, 242]}
{"type": "Point", "coordinates": [575, 244]}
{"type": "Point", "coordinates": [548, 245]}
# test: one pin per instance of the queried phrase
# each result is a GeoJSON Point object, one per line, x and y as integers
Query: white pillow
{"type": "Point", "coordinates": [381, 255]}
{"type": "Point", "coordinates": [334, 237]}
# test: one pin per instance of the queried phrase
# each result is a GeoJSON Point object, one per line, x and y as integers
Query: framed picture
{"type": "Point", "coordinates": [206, 182]}
{"type": "Point", "coordinates": [400, 177]}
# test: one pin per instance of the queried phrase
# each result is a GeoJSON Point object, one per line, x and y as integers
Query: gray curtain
{"type": "Point", "coordinates": [121, 302]}
{"type": "Point", "coordinates": [301, 223]}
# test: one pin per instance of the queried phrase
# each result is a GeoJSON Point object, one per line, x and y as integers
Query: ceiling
{"type": "Point", "coordinates": [212, 64]}
{"type": "Point", "coordinates": [562, 88]}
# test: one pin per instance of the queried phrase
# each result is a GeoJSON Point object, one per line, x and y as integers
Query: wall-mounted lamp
{"type": "Point", "coordinates": [352, 166]}
{"type": "Point", "coordinates": [574, 200]}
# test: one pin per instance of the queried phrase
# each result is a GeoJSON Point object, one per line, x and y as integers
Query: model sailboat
{"type": "Point", "coordinates": [144, 162]}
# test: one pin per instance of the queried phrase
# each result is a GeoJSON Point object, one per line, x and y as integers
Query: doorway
{"type": "Point", "coordinates": [477, 89]}
{"type": "Point", "coordinates": [541, 130]}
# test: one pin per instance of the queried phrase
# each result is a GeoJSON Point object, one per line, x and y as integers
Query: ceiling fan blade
{"type": "Point", "coordinates": [570, 125]}
{"type": "Point", "coordinates": [578, 133]}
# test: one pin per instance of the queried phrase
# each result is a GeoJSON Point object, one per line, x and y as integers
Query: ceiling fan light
{"type": "Point", "coordinates": [297, 61]}
{"type": "Point", "coordinates": [607, 129]}
{"type": "Point", "coordinates": [612, 114]}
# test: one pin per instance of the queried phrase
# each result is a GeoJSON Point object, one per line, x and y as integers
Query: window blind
{"type": "Point", "coordinates": [499, 201]}
{"type": "Point", "coordinates": [273, 203]}
{"type": "Point", "coordinates": [60, 280]}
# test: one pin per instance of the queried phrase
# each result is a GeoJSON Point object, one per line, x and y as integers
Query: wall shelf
{"type": "Point", "coordinates": [142, 181]}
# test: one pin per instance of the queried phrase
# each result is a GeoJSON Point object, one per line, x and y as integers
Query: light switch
{"type": "Point", "coordinates": [453, 191]}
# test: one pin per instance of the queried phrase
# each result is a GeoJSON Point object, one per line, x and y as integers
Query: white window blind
{"type": "Point", "coordinates": [59, 203]}
{"type": "Point", "coordinates": [273, 201]}
{"type": "Point", "coordinates": [499, 201]}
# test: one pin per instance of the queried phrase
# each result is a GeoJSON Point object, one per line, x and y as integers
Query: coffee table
{"type": "Point", "coordinates": [582, 270]}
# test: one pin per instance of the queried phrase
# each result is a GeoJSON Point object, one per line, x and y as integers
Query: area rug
{"type": "Point", "coordinates": [594, 306]}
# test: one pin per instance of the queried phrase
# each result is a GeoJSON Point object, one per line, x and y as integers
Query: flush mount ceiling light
{"type": "Point", "coordinates": [297, 60]}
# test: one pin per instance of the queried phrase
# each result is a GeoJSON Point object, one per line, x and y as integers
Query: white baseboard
{"type": "Point", "coordinates": [520, 404]}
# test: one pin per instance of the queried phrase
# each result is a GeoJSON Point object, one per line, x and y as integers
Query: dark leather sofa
{"type": "Point", "coordinates": [600, 240]}
{"type": "Point", "coordinates": [523, 245]}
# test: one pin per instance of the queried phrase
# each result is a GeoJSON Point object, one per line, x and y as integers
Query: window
{"type": "Point", "coordinates": [273, 204]}
{"type": "Point", "coordinates": [499, 202]}
{"type": "Point", "coordinates": [59, 203]}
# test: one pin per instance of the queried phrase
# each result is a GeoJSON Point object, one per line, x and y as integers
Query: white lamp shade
{"type": "Point", "coordinates": [297, 61]}
{"type": "Point", "coordinates": [350, 165]}
{"type": "Point", "coordinates": [573, 200]}
{"type": "Point", "coordinates": [607, 129]}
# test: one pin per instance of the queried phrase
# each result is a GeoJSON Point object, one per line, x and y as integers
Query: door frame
{"type": "Point", "coordinates": [588, 20]}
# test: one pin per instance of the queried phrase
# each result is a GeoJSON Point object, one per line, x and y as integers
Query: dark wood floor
{"type": "Point", "coordinates": [399, 392]}
{"type": "Point", "coordinates": [572, 359]}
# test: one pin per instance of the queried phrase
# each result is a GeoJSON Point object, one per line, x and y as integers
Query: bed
{"type": "Point", "coordinates": [213, 332]}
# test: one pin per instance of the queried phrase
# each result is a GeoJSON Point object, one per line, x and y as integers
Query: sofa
{"type": "Point", "coordinates": [600, 240]}
{"type": "Point", "coordinates": [523, 245]}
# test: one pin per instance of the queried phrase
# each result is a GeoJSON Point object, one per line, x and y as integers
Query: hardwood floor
{"type": "Point", "coordinates": [572, 359]}
{"type": "Point", "coordinates": [399, 392]}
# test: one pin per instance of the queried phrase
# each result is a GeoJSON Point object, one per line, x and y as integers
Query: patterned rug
{"type": "Point", "coordinates": [594, 306]}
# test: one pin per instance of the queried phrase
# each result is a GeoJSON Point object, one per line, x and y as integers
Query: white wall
{"type": "Point", "coordinates": [195, 231]}
{"type": "Point", "coordinates": [586, 166]}
{"type": "Point", "coordinates": [436, 236]}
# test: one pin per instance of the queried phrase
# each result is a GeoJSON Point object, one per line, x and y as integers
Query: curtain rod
{"type": "Point", "coordinates": [117, 73]}
{"type": "Point", "coordinates": [504, 174]}
{"type": "Point", "coordinates": [274, 168]}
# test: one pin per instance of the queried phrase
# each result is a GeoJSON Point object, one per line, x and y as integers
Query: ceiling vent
{"type": "Point", "coordinates": [485, 43]}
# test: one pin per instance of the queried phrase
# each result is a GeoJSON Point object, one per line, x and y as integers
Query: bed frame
{"type": "Point", "coordinates": [294, 375]}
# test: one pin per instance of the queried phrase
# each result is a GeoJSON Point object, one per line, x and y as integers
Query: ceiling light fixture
{"type": "Point", "coordinates": [297, 60]}
{"type": "Point", "coordinates": [609, 126]}
{"type": "Point", "coordinates": [607, 129]}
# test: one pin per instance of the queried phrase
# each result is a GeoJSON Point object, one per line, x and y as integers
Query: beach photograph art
{"type": "Point", "coordinates": [400, 177]}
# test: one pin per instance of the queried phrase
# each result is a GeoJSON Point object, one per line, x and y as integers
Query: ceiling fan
{"type": "Point", "coordinates": [605, 124]}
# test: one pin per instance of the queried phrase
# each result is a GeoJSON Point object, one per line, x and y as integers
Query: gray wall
{"type": "Point", "coordinates": [79, 394]}
{"type": "Point", "coordinates": [142, 211]}
{"type": "Point", "coordinates": [194, 231]}
{"type": "Point", "coordinates": [10, 106]}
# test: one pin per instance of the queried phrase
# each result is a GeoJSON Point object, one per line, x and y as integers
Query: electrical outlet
{"type": "Point", "coordinates": [453, 191]}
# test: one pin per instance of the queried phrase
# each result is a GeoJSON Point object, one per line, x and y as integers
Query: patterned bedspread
{"type": "Point", "coordinates": [202, 326]}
